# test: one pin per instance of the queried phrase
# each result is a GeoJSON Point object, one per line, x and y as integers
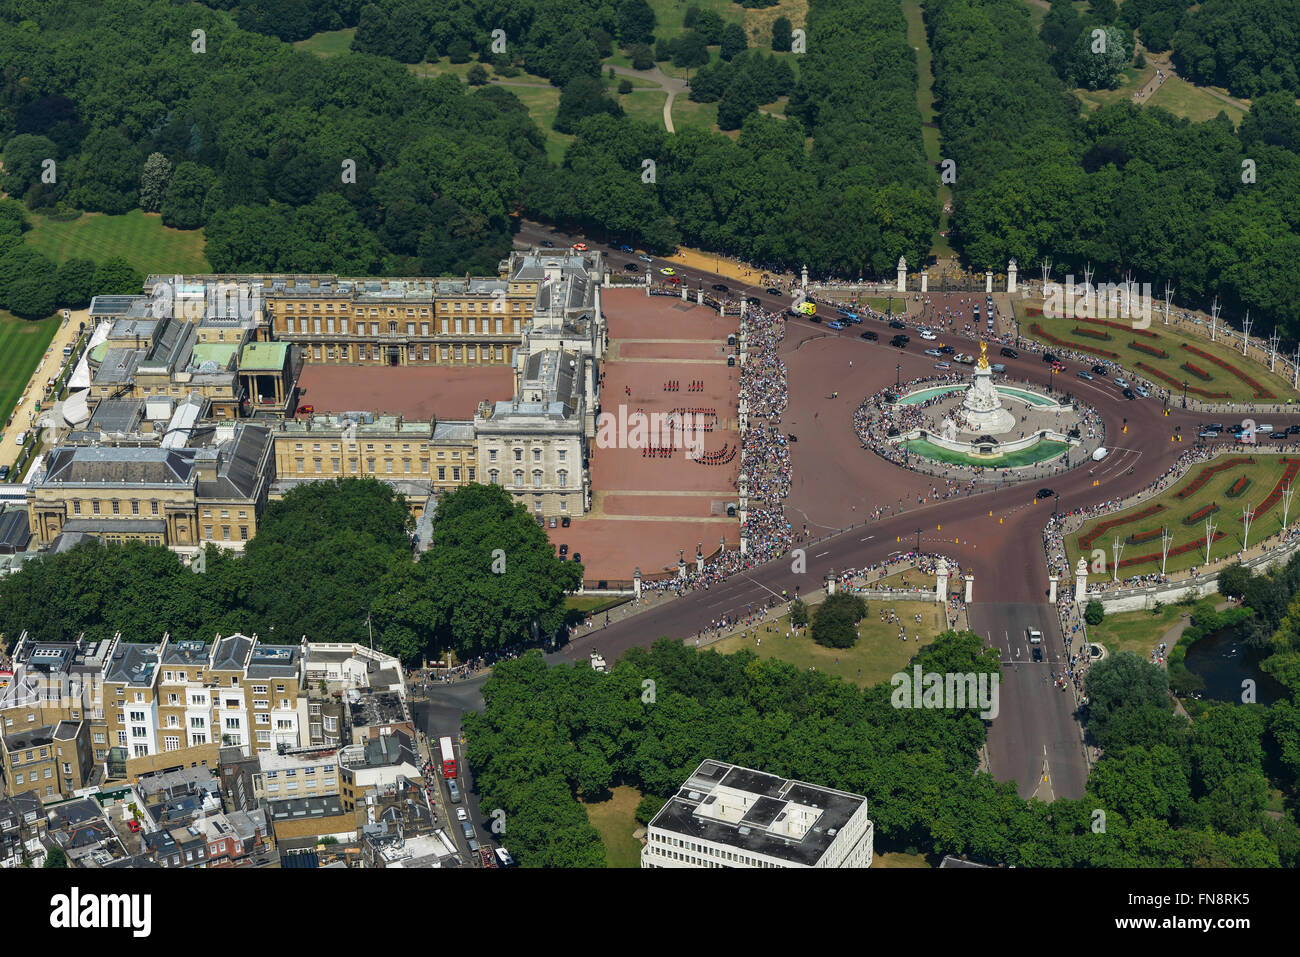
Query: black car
{"type": "Point", "coordinates": [1038, 653]}
{"type": "Point", "coordinates": [1129, 394]}
{"type": "Point", "coordinates": [1049, 358]}
{"type": "Point", "coordinates": [547, 242]}
{"type": "Point", "coordinates": [577, 556]}
{"type": "Point", "coordinates": [1279, 436]}
{"type": "Point", "coordinates": [720, 287]}
{"type": "Point", "coordinates": [564, 522]}
{"type": "Point", "coordinates": [813, 317]}
{"type": "Point", "coordinates": [564, 549]}
{"type": "Point", "coordinates": [792, 437]}
{"type": "Point", "coordinates": [895, 324]}
{"type": "Point", "coordinates": [773, 291]}
{"type": "Point", "coordinates": [1099, 369]}
{"type": "Point", "coordinates": [898, 343]}
{"type": "Point", "coordinates": [1045, 493]}
{"type": "Point", "coordinates": [632, 267]}
{"type": "Point", "coordinates": [947, 350]}
{"type": "Point", "coordinates": [1293, 430]}
{"type": "Point", "coordinates": [1010, 353]}
{"type": "Point", "coordinates": [4, 473]}
{"type": "Point", "coordinates": [868, 335]}
{"type": "Point", "coordinates": [1214, 427]}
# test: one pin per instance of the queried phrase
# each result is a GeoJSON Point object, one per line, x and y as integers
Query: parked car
{"type": "Point", "coordinates": [1142, 392]}
{"type": "Point", "coordinates": [852, 317]}
{"type": "Point", "coordinates": [898, 343]}
{"type": "Point", "coordinates": [1215, 427]}
{"type": "Point", "coordinates": [933, 352]}
{"type": "Point", "coordinates": [4, 473]}
{"type": "Point", "coordinates": [1279, 436]}
{"type": "Point", "coordinates": [1264, 428]}
{"type": "Point", "coordinates": [564, 521]}
{"type": "Point", "coordinates": [20, 438]}
{"type": "Point", "coordinates": [1121, 384]}
{"type": "Point", "coordinates": [467, 829]}
{"type": "Point", "coordinates": [1038, 653]}
{"type": "Point", "coordinates": [1207, 434]}
{"type": "Point", "coordinates": [1049, 358]}
{"type": "Point", "coordinates": [835, 324]}
{"type": "Point", "coordinates": [1009, 353]}
{"type": "Point", "coordinates": [577, 556]}
{"type": "Point", "coordinates": [868, 335]}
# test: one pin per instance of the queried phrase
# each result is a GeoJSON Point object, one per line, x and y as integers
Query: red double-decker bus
{"type": "Point", "coordinates": [448, 758]}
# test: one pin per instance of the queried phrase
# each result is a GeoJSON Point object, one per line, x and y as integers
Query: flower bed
{"type": "Point", "coordinates": [1205, 511]}
{"type": "Point", "coordinates": [1196, 371]}
{"type": "Point", "coordinates": [1275, 496]}
{"type": "Point", "coordinates": [1149, 350]}
{"type": "Point", "coordinates": [1155, 556]}
{"type": "Point", "coordinates": [1141, 538]}
{"type": "Point", "coordinates": [1085, 541]}
{"type": "Point", "coordinates": [1092, 333]}
{"type": "Point", "coordinates": [1210, 471]}
{"type": "Point", "coordinates": [1165, 377]}
{"type": "Point", "coordinates": [1119, 325]}
{"type": "Point", "coordinates": [1038, 330]}
{"type": "Point", "coordinates": [1238, 487]}
{"type": "Point", "coordinates": [1256, 387]}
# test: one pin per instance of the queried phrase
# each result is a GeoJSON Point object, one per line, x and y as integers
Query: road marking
{"type": "Point", "coordinates": [820, 554]}
{"type": "Point", "coordinates": [867, 539]}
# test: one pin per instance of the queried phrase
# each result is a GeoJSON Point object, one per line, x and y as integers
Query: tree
{"type": "Point", "coordinates": [782, 35]}
{"type": "Point", "coordinates": [581, 97]}
{"type": "Point", "coordinates": [733, 40]}
{"type": "Point", "coordinates": [636, 22]}
{"type": "Point", "coordinates": [834, 624]}
{"type": "Point", "coordinates": [642, 56]}
{"type": "Point", "coordinates": [1094, 612]}
{"type": "Point", "coordinates": [76, 280]}
{"type": "Point", "coordinates": [739, 100]}
{"type": "Point", "coordinates": [1098, 58]}
{"type": "Point", "coordinates": [710, 24]}
{"type": "Point", "coordinates": [154, 177]}
{"type": "Point", "coordinates": [1234, 580]}
{"type": "Point", "coordinates": [55, 857]}
{"type": "Point", "coordinates": [187, 196]}
{"type": "Point", "coordinates": [624, 86]}
{"type": "Point", "coordinates": [798, 613]}
{"type": "Point", "coordinates": [1120, 682]}
{"type": "Point", "coordinates": [458, 51]}
{"type": "Point", "coordinates": [25, 159]}
{"type": "Point", "coordinates": [477, 75]}
{"type": "Point", "coordinates": [690, 50]}
{"type": "Point", "coordinates": [116, 276]}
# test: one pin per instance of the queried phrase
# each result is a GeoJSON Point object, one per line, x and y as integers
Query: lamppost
{"type": "Point", "coordinates": [918, 541]}
{"type": "Point", "coordinates": [1184, 393]}
{"type": "Point", "coordinates": [1017, 322]}
{"type": "Point", "coordinates": [898, 379]}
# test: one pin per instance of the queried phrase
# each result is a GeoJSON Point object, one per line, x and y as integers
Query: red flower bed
{"type": "Point", "coordinates": [1142, 538]}
{"type": "Point", "coordinates": [1275, 496]}
{"type": "Point", "coordinates": [1092, 333]}
{"type": "Point", "coordinates": [1155, 556]}
{"type": "Point", "coordinates": [1033, 311]}
{"type": "Point", "coordinates": [1196, 371]}
{"type": "Point", "coordinates": [1119, 325]}
{"type": "Point", "coordinates": [1204, 511]}
{"type": "Point", "coordinates": [1210, 471]}
{"type": "Point", "coordinates": [1239, 487]}
{"type": "Point", "coordinates": [1178, 385]}
{"type": "Point", "coordinates": [1149, 350]}
{"type": "Point", "coordinates": [1085, 541]}
{"type": "Point", "coordinates": [1038, 330]}
{"type": "Point", "coordinates": [1256, 387]}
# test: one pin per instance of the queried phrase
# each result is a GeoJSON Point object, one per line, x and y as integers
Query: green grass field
{"type": "Point", "coordinates": [877, 655]}
{"type": "Point", "coordinates": [690, 115]}
{"type": "Point", "coordinates": [140, 238]}
{"type": "Point", "coordinates": [332, 43]}
{"type": "Point", "coordinates": [940, 248]}
{"type": "Point", "coordinates": [645, 106]}
{"type": "Point", "coordinates": [1041, 452]}
{"type": "Point", "coordinates": [615, 819]}
{"type": "Point", "coordinates": [22, 343]}
{"type": "Point", "coordinates": [1136, 631]}
{"type": "Point", "coordinates": [1197, 103]}
{"type": "Point", "coordinates": [1168, 339]}
{"type": "Point", "coordinates": [1263, 475]}
{"type": "Point", "coordinates": [1131, 80]}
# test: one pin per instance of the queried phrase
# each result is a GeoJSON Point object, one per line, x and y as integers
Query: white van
{"type": "Point", "coordinates": [1035, 636]}
{"type": "Point", "coordinates": [1100, 454]}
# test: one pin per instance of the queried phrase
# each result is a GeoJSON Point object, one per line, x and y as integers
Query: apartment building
{"type": "Point", "coordinates": [378, 763]}
{"type": "Point", "coordinates": [729, 816]}
{"type": "Point", "coordinates": [54, 760]}
{"type": "Point", "coordinates": [297, 772]}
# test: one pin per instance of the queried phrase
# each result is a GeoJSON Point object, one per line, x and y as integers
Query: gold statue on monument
{"type": "Point", "coordinates": [984, 355]}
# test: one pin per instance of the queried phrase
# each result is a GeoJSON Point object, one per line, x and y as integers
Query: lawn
{"type": "Point", "coordinates": [1264, 475]}
{"type": "Point", "coordinates": [1168, 339]}
{"type": "Point", "coordinates": [1197, 103]}
{"type": "Point", "coordinates": [543, 102]}
{"type": "Point", "coordinates": [899, 859]}
{"type": "Point", "coordinates": [22, 343]}
{"type": "Point", "coordinates": [332, 43]}
{"type": "Point", "coordinates": [1136, 631]}
{"type": "Point", "coordinates": [138, 237]}
{"type": "Point", "coordinates": [688, 114]}
{"type": "Point", "coordinates": [912, 578]}
{"type": "Point", "coordinates": [615, 819]}
{"type": "Point", "coordinates": [876, 657]}
{"type": "Point", "coordinates": [1040, 452]}
{"type": "Point", "coordinates": [645, 106]}
{"type": "Point", "coordinates": [940, 248]}
{"type": "Point", "coordinates": [1131, 80]}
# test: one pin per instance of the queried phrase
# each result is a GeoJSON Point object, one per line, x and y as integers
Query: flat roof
{"type": "Point", "coordinates": [263, 357]}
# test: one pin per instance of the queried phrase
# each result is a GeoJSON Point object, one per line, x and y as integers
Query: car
{"type": "Point", "coordinates": [632, 267]}
{"type": "Point", "coordinates": [998, 367]}
{"type": "Point", "coordinates": [564, 548]}
{"type": "Point", "coordinates": [943, 365]}
{"type": "Point", "coordinates": [1045, 493]}
{"type": "Point", "coordinates": [895, 324]}
{"type": "Point", "coordinates": [1100, 453]}
{"type": "Point", "coordinates": [674, 280]}
{"type": "Point", "coordinates": [307, 410]}
{"type": "Point", "coordinates": [1142, 392]}
{"type": "Point", "coordinates": [580, 247]}
{"type": "Point", "coordinates": [462, 814]}
{"type": "Point", "coordinates": [811, 316]}
{"type": "Point", "coordinates": [754, 301]}
{"type": "Point", "coordinates": [503, 858]}
{"type": "Point", "coordinates": [626, 249]}
{"type": "Point", "coordinates": [1049, 358]}
{"type": "Point", "coordinates": [454, 790]}
{"type": "Point", "coordinates": [646, 259]}
{"type": "Point", "coordinates": [4, 473]}
{"type": "Point", "coordinates": [1279, 436]}
{"type": "Point", "coordinates": [1009, 353]}
{"type": "Point", "coordinates": [1034, 635]}
{"type": "Point", "coordinates": [467, 829]}
{"type": "Point", "coordinates": [564, 521]}
{"type": "Point", "coordinates": [547, 243]}
{"type": "Point", "coordinates": [773, 291]}
{"type": "Point", "coordinates": [552, 521]}
{"type": "Point", "coordinates": [577, 556]}
{"type": "Point", "coordinates": [20, 438]}
{"type": "Point", "coordinates": [852, 317]}
{"type": "Point", "coordinates": [1058, 366]}
{"type": "Point", "coordinates": [720, 287]}
{"type": "Point", "coordinates": [792, 437]}
{"type": "Point", "coordinates": [898, 343]}
{"type": "Point", "coordinates": [1293, 430]}
{"type": "Point", "coordinates": [1129, 394]}
{"type": "Point", "coordinates": [1215, 427]}
{"type": "Point", "coordinates": [1084, 375]}
{"type": "Point", "coordinates": [1099, 369]}
{"type": "Point", "coordinates": [927, 334]}
{"type": "Point", "coordinates": [964, 359]}
{"type": "Point", "coordinates": [946, 350]}
{"type": "Point", "coordinates": [835, 324]}
{"type": "Point", "coordinates": [1264, 428]}
{"type": "Point", "coordinates": [868, 335]}
{"type": "Point", "coordinates": [1207, 434]}
{"type": "Point", "coordinates": [1121, 384]}
{"type": "Point", "coordinates": [1038, 653]}
{"type": "Point", "coordinates": [668, 271]}
{"type": "Point", "coordinates": [933, 352]}
{"type": "Point", "coordinates": [133, 826]}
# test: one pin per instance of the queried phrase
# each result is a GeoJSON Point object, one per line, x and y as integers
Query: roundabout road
{"type": "Point", "coordinates": [833, 474]}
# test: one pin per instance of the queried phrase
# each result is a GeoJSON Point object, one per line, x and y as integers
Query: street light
{"type": "Point", "coordinates": [1184, 394]}
{"type": "Point", "coordinates": [898, 379]}
{"type": "Point", "coordinates": [918, 541]}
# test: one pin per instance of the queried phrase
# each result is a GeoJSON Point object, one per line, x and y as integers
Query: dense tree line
{"type": "Point", "coordinates": [1126, 188]}
{"type": "Point", "coordinates": [331, 561]}
{"type": "Point", "coordinates": [1174, 794]}
{"type": "Point", "coordinates": [1251, 47]}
